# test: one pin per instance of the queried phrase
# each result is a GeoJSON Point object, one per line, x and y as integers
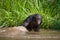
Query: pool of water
{"type": "Point", "coordinates": [15, 34]}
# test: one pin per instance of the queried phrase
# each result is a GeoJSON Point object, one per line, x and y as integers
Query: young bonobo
{"type": "Point", "coordinates": [33, 22]}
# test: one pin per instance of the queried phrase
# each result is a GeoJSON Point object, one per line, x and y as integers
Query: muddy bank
{"type": "Point", "coordinates": [14, 33]}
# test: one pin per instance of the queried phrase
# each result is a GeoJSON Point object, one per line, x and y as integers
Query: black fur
{"type": "Point", "coordinates": [33, 22]}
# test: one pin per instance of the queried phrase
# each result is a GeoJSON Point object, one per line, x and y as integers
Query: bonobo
{"type": "Point", "coordinates": [33, 22]}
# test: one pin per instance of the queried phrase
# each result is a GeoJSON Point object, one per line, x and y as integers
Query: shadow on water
{"type": "Point", "coordinates": [16, 34]}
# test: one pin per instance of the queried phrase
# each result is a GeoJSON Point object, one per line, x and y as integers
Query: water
{"type": "Point", "coordinates": [15, 34]}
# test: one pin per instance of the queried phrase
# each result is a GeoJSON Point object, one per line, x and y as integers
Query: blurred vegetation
{"type": "Point", "coordinates": [14, 12]}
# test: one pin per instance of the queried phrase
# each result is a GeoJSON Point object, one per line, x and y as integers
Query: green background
{"type": "Point", "coordinates": [14, 12]}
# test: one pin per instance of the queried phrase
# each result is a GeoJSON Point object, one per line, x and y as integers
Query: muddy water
{"type": "Point", "coordinates": [16, 34]}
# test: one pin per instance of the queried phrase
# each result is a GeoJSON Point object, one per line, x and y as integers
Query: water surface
{"type": "Point", "coordinates": [15, 34]}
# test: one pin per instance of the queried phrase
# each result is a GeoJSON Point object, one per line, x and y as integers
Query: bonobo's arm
{"type": "Point", "coordinates": [27, 21]}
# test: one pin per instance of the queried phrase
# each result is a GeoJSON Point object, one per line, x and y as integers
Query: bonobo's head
{"type": "Point", "coordinates": [37, 18]}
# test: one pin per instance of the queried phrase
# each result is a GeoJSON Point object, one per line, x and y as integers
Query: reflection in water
{"type": "Point", "coordinates": [16, 34]}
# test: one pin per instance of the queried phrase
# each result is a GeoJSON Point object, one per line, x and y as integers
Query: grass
{"type": "Point", "coordinates": [14, 12]}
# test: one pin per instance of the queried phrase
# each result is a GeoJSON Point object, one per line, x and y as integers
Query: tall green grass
{"type": "Point", "coordinates": [14, 12]}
